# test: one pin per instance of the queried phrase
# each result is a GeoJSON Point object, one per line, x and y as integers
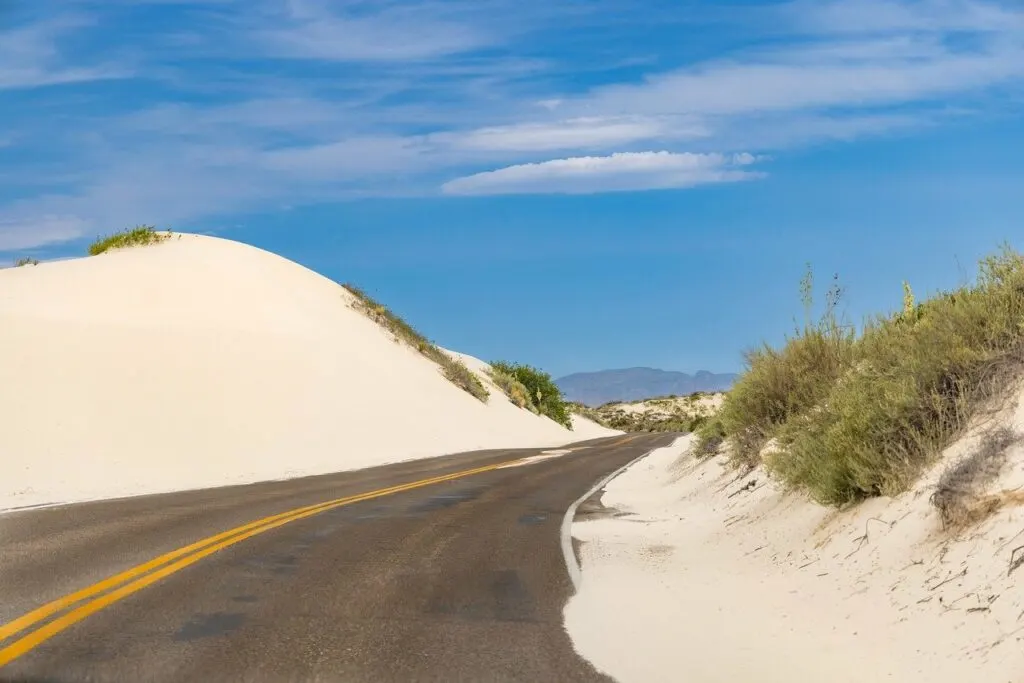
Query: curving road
{"type": "Point", "coordinates": [446, 569]}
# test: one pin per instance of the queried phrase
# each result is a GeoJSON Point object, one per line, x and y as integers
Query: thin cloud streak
{"type": "Point", "coordinates": [614, 173]}
{"type": "Point", "coordinates": [409, 106]}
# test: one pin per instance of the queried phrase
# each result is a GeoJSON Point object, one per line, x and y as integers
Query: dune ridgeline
{"type": "Point", "coordinates": [194, 361]}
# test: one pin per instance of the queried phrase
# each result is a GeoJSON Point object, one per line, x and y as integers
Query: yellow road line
{"type": "Point", "coordinates": [176, 560]}
{"type": "Point", "coordinates": [205, 547]}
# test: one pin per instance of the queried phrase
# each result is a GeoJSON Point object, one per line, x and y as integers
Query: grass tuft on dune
{"type": "Point", "coordinates": [138, 236]}
{"type": "Point", "coordinates": [453, 369]}
{"type": "Point", "coordinates": [855, 414]}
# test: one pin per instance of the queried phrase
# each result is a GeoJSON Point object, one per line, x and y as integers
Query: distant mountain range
{"type": "Point", "coordinates": [632, 384]}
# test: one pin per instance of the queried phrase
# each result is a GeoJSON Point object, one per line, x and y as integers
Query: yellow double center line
{"type": "Point", "coordinates": [138, 577]}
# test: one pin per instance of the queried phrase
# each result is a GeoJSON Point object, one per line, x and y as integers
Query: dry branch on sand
{"type": "Point", "coordinates": [959, 495]}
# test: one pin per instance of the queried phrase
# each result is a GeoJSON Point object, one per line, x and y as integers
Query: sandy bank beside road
{"type": "Point", "coordinates": [201, 362]}
{"type": "Point", "coordinates": [712, 578]}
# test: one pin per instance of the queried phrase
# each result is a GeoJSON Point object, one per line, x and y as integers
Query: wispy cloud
{"type": "Point", "coordinates": [243, 106]}
{"type": "Point", "coordinates": [887, 16]}
{"type": "Point", "coordinates": [616, 172]}
{"type": "Point", "coordinates": [316, 30]}
{"type": "Point", "coordinates": [30, 55]}
{"type": "Point", "coordinates": [37, 230]}
{"type": "Point", "coordinates": [852, 75]}
{"type": "Point", "coordinates": [578, 133]}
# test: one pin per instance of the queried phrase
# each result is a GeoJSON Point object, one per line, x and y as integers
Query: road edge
{"type": "Point", "coordinates": [572, 564]}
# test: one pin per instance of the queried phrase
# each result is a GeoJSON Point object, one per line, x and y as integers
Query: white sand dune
{"type": "Point", "coordinates": [700, 583]}
{"type": "Point", "coordinates": [201, 362]}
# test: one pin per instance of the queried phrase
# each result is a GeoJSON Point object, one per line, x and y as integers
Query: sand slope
{"type": "Point", "coordinates": [200, 362]}
{"type": "Point", "coordinates": [720, 584]}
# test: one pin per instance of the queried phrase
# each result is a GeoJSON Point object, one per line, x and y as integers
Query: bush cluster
{"type": "Point", "coordinates": [860, 414]}
{"type": "Point", "coordinates": [545, 398]}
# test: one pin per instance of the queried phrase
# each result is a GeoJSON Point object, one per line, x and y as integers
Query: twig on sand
{"type": "Point", "coordinates": [734, 520]}
{"type": "Point", "coordinates": [746, 487]}
{"type": "Point", "coordinates": [1015, 560]}
{"type": "Point", "coordinates": [745, 472]}
{"type": "Point", "coordinates": [952, 578]}
{"type": "Point", "coordinates": [1010, 540]}
{"type": "Point", "coordinates": [861, 540]}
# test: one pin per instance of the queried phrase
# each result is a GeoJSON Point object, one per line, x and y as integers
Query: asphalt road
{"type": "Point", "coordinates": [454, 580]}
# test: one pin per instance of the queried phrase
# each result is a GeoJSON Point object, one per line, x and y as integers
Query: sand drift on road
{"type": "Point", "coordinates": [201, 362]}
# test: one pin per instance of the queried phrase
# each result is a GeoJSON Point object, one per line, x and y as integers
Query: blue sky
{"type": "Point", "coordinates": [575, 184]}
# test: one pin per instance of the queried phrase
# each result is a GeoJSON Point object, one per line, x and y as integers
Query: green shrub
{"type": "Point", "coordinates": [545, 394]}
{"type": "Point", "coordinates": [18, 263]}
{"type": "Point", "coordinates": [139, 236]}
{"type": "Point", "coordinates": [461, 376]}
{"type": "Point", "coordinates": [513, 388]}
{"type": "Point", "coordinates": [454, 370]}
{"type": "Point", "coordinates": [710, 437]}
{"type": "Point", "coordinates": [920, 375]}
{"type": "Point", "coordinates": [779, 385]}
{"type": "Point", "coordinates": [660, 414]}
{"type": "Point", "coordinates": [862, 416]}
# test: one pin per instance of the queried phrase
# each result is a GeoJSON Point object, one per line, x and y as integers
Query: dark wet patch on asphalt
{"type": "Point", "coordinates": [209, 626]}
{"type": "Point", "coordinates": [276, 564]}
{"type": "Point", "coordinates": [511, 597]}
{"type": "Point", "coordinates": [504, 597]}
{"type": "Point", "coordinates": [535, 518]}
{"type": "Point", "coordinates": [446, 500]}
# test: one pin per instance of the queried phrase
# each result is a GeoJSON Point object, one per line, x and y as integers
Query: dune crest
{"type": "Point", "coordinates": [201, 362]}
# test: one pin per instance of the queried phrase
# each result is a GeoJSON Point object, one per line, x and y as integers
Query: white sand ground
{"type": "Point", "coordinates": [699, 583]}
{"type": "Point", "coordinates": [707, 404]}
{"type": "Point", "coordinates": [201, 362]}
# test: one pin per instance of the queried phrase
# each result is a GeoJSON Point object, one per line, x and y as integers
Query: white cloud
{"type": "Point", "coordinates": [30, 58]}
{"type": "Point", "coordinates": [884, 16]}
{"type": "Point", "coordinates": [349, 158]}
{"type": "Point", "coordinates": [247, 134]}
{"type": "Point", "coordinates": [579, 133]}
{"type": "Point", "coordinates": [617, 172]}
{"type": "Point", "coordinates": [312, 30]}
{"type": "Point", "coordinates": [794, 81]}
{"type": "Point", "coordinates": [39, 230]}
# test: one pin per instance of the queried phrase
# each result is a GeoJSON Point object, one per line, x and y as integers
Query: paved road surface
{"type": "Point", "coordinates": [457, 580]}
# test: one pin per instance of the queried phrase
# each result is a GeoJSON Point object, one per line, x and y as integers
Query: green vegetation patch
{"type": "Point", "coordinates": [861, 415]}
{"type": "Point", "coordinates": [453, 369]}
{"type": "Point", "coordinates": [542, 391]}
{"type": "Point", "coordinates": [659, 414]}
{"type": "Point", "coordinates": [138, 236]}
{"type": "Point", "coordinates": [18, 263]}
{"type": "Point", "coordinates": [710, 437]}
{"type": "Point", "coordinates": [513, 388]}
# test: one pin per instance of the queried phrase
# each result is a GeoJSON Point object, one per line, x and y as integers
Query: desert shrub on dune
{"type": "Point", "coordinates": [135, 237]}
{"type": "Point", "coordinates": [862, 415]}
{"type": "Point", "coordinates": [542, 391]}
{"type": "Point", "coordinates": [513, 388]}
{"type": "Point", "coordinates": [453, 369]}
